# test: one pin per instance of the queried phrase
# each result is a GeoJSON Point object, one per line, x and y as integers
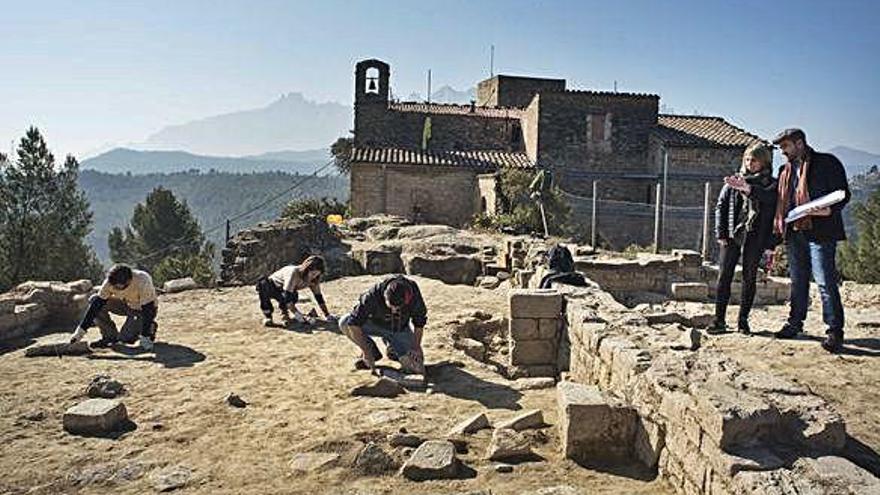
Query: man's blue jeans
{"type": "Point", "coordinates": [806, 257]}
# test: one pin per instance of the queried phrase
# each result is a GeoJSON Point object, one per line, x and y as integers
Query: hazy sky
{"type": "Point", "coordinates": [91, 73]}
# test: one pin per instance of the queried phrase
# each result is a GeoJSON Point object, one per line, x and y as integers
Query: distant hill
{"type": "Point", "coordinates": [213, 197]}
{"type": "Point", "coordinates": [447, 94]}
{"type": "Point", "coordinates": [124, 160]}
{"type": "Point", "coordinates": [856, 161]}
{"type": "Point", "coordinates": [289, 123]}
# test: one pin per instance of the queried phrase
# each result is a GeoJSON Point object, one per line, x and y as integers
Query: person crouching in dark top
{"type": "Point", "coordinates": [394, 311]}
{"type": "Point", "coordinates": [744, 227]}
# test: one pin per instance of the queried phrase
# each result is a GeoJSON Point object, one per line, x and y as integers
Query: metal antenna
{"type": "Point", "coordinates": [492, 61]}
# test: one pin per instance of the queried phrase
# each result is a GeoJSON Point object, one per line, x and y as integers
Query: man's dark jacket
{"type": "Point", "coordinates": [826, 175]}
{"type": "Point", "coordinates": [371, 307]}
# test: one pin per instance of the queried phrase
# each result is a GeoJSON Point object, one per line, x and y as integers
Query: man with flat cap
{"type": "Point", "coordinates": [811, 242]}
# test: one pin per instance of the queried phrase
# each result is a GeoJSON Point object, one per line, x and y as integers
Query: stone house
{"type": "Point", "coordinates": [438, 162]}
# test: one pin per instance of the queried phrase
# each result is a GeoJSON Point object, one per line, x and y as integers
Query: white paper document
{"type": "Point", "coordinates": [827, 200]}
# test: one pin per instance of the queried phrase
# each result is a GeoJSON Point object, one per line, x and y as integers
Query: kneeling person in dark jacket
{"type": "Point", "coordinates": [393, 310]}
{"type": "Point", "coordinates": [125, 292]}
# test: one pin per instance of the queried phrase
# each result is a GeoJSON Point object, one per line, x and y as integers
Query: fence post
{"type": "Point", "coordinates": [227, 231]}
{"type": "Point", "coordinates": [706, 203]}
{"type": "Point", "coordinates": [657, 199]}
{"type": "Point", "coordinates": [593, 215]}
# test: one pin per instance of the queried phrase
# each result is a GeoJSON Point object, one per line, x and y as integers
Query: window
{"type": "Point", "coordinates": [372, 81]}
{"type": "Point", "coordinates": [599, 127]}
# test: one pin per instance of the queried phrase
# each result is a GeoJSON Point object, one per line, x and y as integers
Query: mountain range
{"type": "Point", "coordinates": [137, 162]}
{"type": "Point", "coordinates": [291, 122]}
{"type": "Point", "coordinates": [855, 161]}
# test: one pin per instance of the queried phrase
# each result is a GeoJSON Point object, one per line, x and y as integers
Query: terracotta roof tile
{"type": "Point", "coordinates": [701, 131]}
{"type": "Point", "coordinates": [451, 109]}
{"type": "Point", "coordinates": [483, 159]}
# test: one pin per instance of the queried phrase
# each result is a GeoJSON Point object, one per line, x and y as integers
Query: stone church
{"type": "Point", "coordinates": [438, 162]}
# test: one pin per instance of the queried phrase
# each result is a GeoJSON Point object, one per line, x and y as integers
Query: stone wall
{"type": "Point", "coordinates": [385, 126]}
{"type": "Point", "coordinates": [256, 252]}
{"type": "Point", "coordinates": [534, 332]}
{"type": "Point", "coordinates": [31, 306]}
{"type": "Point", "coordinates": [566, 143]}
{"type": "Point", "coordinates": [512, 91]}
{"type": "Point", "coordinates": [708, 425]}
{"type": "Point", "coordinates": [425, 194]}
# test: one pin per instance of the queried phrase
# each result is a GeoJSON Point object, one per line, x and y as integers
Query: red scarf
{"type": "Point", "coordinates": [802, 195]}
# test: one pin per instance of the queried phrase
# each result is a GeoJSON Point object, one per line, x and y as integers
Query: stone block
{"type": "Point", "coordinates": [524, 421]}
{"type": "Point", "coordinates": [95, 417]}
{"type": "Point", "coordinates": [379, 261]}
{"type": "Point", "coordinates": [593, 426]}
{"type": "Point", "coordinates": [535, 303]}
{"type": "Point", "coordinates": [689, 291]}
{"type": "Point", "coordinates": [808, 476]}
{"type": "Point", "coordinates": [451, 269]}
{"type": "Point", "coordinates": [434, 459]}
{"type": "Point", "coordinates": [732, 417]}
{"type": "Point", "coordinates": [80, 286]}
{"type": "Point", "coordinates": [548, 328]}
{"type": "Point", "coordinates": [508, 445]}
{"type": "Point", "coordinates": [309, 462]}
{"type": "Point", "coordinates": [514, 372]}
{"type": "Point", "coordinates": [648, 441]}
{"type": "Point", "coordinates": [471, 425]}
{"type": "Point", "coordinates": [180, 285]}
{"type": "Point", "coordinates": [532, 352]}
{"type": "Point", "coordinates": [523, 329]}
{"type": "Point", "coordinates": [473, 348]}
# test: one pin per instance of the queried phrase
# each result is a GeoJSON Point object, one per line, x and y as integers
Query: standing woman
{"type": "Point", "coordinates": [744, 226]}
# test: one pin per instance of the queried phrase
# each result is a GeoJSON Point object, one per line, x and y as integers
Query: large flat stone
{"type": "Point", "coordinates": [535, 303]}
{"type": "Point", "coordinates": [524, 421]}
{"type": "Point", "coordinates": [62, 349]}
{"type": "Point", "coordinates": [508, 445]}
{"type": "Point", "coordinates": [95, 417]}
{"type": "Point", "coordinates": [594, 427]}
{"type": "Point", "coordinates": [434, 459]}
{"type": "Point", "coordinates": [308, 462]}
{"type": "Point", "coordinates": [471, 425]}
{"type": "Point", "coordinates": [732, 417]}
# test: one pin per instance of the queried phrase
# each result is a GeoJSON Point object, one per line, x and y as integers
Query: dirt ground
{"type": "Point", "coordinates": [211, 343]}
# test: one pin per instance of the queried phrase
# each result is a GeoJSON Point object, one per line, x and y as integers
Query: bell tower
{"type": "Point", "coordinates": [371, 81]}
{"type": "Point", "coordinates": [371, 98]}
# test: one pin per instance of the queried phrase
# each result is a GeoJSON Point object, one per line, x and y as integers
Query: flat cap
{"type": "Point", "coordinates": [792, 134]}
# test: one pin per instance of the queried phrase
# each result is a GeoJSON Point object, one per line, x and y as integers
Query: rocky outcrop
{"type": "Point", "coordinates": [31, 306]}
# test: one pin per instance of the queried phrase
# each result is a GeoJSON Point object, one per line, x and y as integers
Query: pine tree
{"type": "Point", "coordinates": [46, 218]}
{"type": "Point", "coordinates": [165, 239]}
{"type": "Point", "coordinates": [860, 257]}
{"type": "Point", "coordinates": [341, 151]}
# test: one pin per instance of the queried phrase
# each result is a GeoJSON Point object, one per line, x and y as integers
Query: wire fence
{"type": "Point", "coordinates": [619, 224]}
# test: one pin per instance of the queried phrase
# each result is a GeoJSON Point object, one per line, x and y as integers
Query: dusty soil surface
{"type": "Point", "coordinates": [297, 384]}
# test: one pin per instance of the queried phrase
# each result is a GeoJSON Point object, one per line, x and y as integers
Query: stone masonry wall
{"type": "Point", "coordinates": [30, 306]}
{"type": "Point", "coordinates": [384, 126]}
{"type": "Point", "coordinates": [564, 141]}
{"type": "Point", "coordinates": [534, 332]}
{"type": "Point", "coordinates": [257, 252]}
{"type": "Point", "coordinates": [445, 195]}
{"type": "Point", "coordinates": [508, 91]}
{"type": "Point", "coordinates": [708, 425]}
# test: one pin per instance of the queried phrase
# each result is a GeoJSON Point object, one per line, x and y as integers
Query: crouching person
{"type": "Point", "coordinates": [394, 311]}
{"type": "Point", "coordinates": [128, 293]}
{"type": "Point", "coordinates": [284, 285]}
